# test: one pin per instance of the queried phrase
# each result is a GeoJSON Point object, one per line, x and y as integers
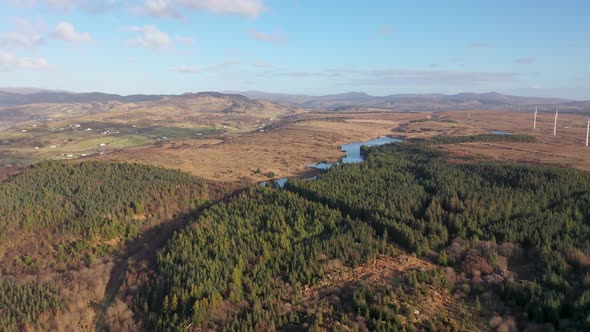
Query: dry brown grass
{"type": "Point", "coordinates": [284, 151]}
{"type": "Point", "coordinates": [380, 273]}
{"type": "Point", "coordinates": [309, 137]}
{"type": "Point", "coordinates": [566, 149]}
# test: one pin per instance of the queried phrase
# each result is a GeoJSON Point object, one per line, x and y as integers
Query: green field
{"type": "Point", "coordinates": [52, 143]}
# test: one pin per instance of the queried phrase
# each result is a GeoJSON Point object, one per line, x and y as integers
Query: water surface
{"type": "Point", "coordinates": [498, 132]}
{"type": "Point", "coordinates": [352, 155]}
{"type": "Point", "coordinates": [353, 150]}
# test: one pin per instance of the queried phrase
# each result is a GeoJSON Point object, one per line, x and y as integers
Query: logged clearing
{"type": "Point", "coordinates": [381, 274]}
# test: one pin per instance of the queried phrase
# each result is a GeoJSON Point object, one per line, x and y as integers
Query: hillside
{"type": "Point", "coordinates": [27, 90]}
{"type": "Point", "coordinates": [66, 130]}
{"type": "Point", "coordinates": [51, 97]}
{"type": "Point", "coordinates": [412, 238]}
{"type": "Point", "coordinates": [414, 102]}
{"type": "Point", "coordinates": [326, 253]}
{"type": "Point", "coordinates": [290, 251]}
{"type": "Point", "coordinates": [517, 235]}
{"type": "Point", "coordinates": [10, 97]}
{"type": "Point", "coordinates": [58, 244]}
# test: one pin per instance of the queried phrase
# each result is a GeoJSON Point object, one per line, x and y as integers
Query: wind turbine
{"type": "Point", "coordinates": [535, 120]}
{"type": "Point", "coordinates": [587, 131]}
{"type": "Point", "coordinates": [555, 123]}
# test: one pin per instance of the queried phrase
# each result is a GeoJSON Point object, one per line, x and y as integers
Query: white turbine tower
{"type": "Point", "coordinates": [587, 131]}
{"type": "Point", "coordinates": [535, 120]}
{"type": "Point", "coordinates": [555, 123]}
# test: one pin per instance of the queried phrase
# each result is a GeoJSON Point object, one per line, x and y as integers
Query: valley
{"type": "Point", "coordinates": [294, 166]}
{"type": "Point", "coordinates": [309, 137]}
{"type": "Point", "coordinates": [66, 131]}
{"type": "Point", "coordinates": [429, 253]}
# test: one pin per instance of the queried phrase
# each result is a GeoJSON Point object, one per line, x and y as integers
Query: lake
{"type": "Point", "coordinates": [352, 155]}
{"type": "Point", "coordinates": [353, 150]}
{"type": "Point", "coordinates": [497, 132]}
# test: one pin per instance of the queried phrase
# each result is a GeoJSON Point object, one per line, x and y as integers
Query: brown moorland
{"type": "Point", "coordinates": [566, 149]}
{"type": "Point", "coordinates": [284, 149]}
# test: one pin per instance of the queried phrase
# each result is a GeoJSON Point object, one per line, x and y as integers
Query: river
{"type": "Point", "coordinates": [352, 155]}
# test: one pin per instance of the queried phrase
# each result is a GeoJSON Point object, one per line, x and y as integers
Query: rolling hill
{"type": "Point", "coordinates": [412, 102]}
{"type": "Point", "coordinates": [16, 99]}
{"type": "Point", "coordinates": [39, 131]}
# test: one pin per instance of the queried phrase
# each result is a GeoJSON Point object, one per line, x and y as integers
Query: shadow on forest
{"type": "Point", "coordinates": [143, 248]}
{"type": "Point", "coordinates": [146, 247]}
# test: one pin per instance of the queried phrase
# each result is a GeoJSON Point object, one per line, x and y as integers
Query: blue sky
{"type": "Point", "coordinates": [532, 48]}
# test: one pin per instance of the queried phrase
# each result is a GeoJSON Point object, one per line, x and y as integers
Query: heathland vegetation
{"type": "Point", "coordinates": [59, 217]}
{"type": "Point", "coordinates": [489, 244]}
{"type": "Point", "coordinates": [478, 217]}
{"type": "Point", "coordinates": [511, 238]}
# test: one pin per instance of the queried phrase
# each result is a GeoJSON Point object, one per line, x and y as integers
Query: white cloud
{"type": "Point", "coordinates": [28, 34]}
{"type": "Point", "coordinates": [63, 4]}
{"type": "Point", "coordinates": [149, 36]}
{"type": "Point", "coordinates": [251, 8]}
{"type": "Point", "coordinates": [173, 8]}
{"type": "Point", "coordinates": [67, 32]}
{"type": "Point", "coordinates": [10, 62]}
{"type": "Point", "coordinates": [480, 45]}
{"type": "Point", "coordinates": [187, 41]}
{"type": "Point", "coordinates": [88, 5]}
{"type": "Point", "coordinates": [23, 3]}
{"type": "Point", "coordinates": [305, 74]}
{"type": "Point", "coordinates": [185, 69]}
{"type": "Point", "coordinates": [525, 61]}
{"type": "Point", "coordinates": [159, 8]}
{"type": "Point", "coordinates": [429, 77]}
{"type": "Point", "coordinates": [276, 37]}
{"type": "Point", "coordinates": [262, 64]}
{"type": "Point", "coordinates": [385, 30]}
{"type": "Point", "coordinates": [395, 76]}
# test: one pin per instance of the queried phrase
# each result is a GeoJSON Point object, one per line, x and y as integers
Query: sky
{"type": "Point", "coordinates": [317, 47]}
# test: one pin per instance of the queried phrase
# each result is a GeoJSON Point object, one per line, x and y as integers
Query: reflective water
{"type": "Point", "coordinates": [353, 150]}
{"type": "Point", "coordinates": [353, 155]}
{"type": "Point", "coordinates": [497, 132]}
{"type": "Point", "coordinates": [322, 166]}
{"type": "Point", "coordinates": [281, 182]}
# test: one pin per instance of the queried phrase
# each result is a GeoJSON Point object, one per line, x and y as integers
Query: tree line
{"type": "Point", "coordinates": [242, 262]}
{"type": "Point", "coordinates": [70, 211]}
{"type": "Point", "coordinates": [425, 199]}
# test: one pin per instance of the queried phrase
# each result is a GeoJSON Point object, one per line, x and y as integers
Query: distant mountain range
{"type": "Point", "coordinates": [466, 100]}
{"type": "Point", "coordinates": [408, 102]}
{"type": "Point", "coordinates": [16, 99]}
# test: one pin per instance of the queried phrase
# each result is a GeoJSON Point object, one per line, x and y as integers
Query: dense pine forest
{"type": "Point", "coordinates": [59, 217]}
{"type": "Point", "coordinates": [476, 138]}
{"type": "Point", "coordinates": [96, 199]}
{"type": "Point", "coordinates": [412, 239]}
{"type": "Point", "coordinates": [21, 303]}
{"type": "Point", "coordinates": [79, 207]}
{"type": "Point", "coordinates": [247, 256]}
{"type": "Point", "coordinates": [483, 218]}
{"type": "Point", "coordinates": [509, 239]}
